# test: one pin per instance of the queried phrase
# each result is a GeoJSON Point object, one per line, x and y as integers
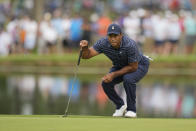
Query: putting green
{"type": "Point", "coordinates": [92, 123]}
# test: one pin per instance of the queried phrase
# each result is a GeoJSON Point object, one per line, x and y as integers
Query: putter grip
{"type": "Point", "coordinates": [79, 57]}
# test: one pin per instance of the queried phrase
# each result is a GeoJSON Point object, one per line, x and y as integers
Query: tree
{"type": "Point", "coordinates": [38, 9]}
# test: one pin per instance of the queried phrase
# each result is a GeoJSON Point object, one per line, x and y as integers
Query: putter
{"type": "Point", "coordinates": [75, 75]}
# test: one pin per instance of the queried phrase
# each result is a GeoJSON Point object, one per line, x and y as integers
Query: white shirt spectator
{"type": "Point", "coordinates": [48, 32]}
{"type": "Point", "coordinates": [12, 29]}
{"type": "Point", "coordinates": [174, 30]}
{"type": "Point", "coordinates": [147, 24]}
{"type": "Point", "coordinates": [132, 26]}
{"type": "Point", "coordinates": [5, 43]}
{"type": "Point", "coordinates": [66, 24]}
{"type": "Point", "coordinates": [30, 27]}
{"type": "Point", "coordinates": [12, 26]}
{"type": "Point", "coordinates": [159, 28]}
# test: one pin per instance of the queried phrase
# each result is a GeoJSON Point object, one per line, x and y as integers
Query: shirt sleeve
{"type": "Point", "coordinates": [98, 46]}
{"type": "Point", "coordinates": [133, 53]}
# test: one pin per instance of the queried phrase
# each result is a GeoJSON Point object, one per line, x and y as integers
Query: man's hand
{"type": "Point", "coordinates": [87, 52]}
{"type": "Point", "coordinates": [83, 44]}
{"type": "Point", "coordinates": [108, 78]}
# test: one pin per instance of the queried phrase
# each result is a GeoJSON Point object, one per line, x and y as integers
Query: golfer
{"type": "Point", "coordinates": [129, 66]}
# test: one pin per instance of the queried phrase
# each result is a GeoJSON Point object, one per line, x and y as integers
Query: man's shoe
{"type": "Point", "coordinates": [120, 112]}
{"type": "Point", "coordinates": [130, 114]}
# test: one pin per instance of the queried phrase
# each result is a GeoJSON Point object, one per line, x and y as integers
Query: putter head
{"type": "Point", "coordinates": [65, 115]}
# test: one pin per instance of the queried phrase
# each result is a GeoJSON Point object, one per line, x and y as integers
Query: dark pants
{"type": "Point", "coordinates": [129, 82]}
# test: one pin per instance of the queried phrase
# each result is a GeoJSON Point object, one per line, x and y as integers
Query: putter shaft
{"type": "Point", "coordinates": [75, 76]}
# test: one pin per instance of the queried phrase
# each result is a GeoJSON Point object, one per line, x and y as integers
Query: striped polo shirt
{"type": "Point", "coordinates": [127, 53]}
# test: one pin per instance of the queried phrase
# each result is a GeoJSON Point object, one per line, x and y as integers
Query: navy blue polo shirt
{"type": "Point", "coordinates": [127, 53]}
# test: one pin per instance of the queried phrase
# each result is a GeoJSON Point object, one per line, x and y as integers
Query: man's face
{"type": "Point", "coordinates": [115, 40]}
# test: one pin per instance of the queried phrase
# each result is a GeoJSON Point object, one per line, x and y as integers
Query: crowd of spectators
{"type": "Point", "coordinates": [160, 32]}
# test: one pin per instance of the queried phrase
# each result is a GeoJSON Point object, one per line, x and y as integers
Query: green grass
{"type": "Point", "coordinates": [51, 60]}
{"type": "Point", "coordinates": [72, 57]}
{"type": "Point", "coordinates": [92, 123]}
{"type": "Point", "coordinates": [176, 58]}
{"type": "Point", "coordinates": [53, 57]}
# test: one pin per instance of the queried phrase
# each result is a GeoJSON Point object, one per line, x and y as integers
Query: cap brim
{"type": "Point", "coordinates": [116, 33]}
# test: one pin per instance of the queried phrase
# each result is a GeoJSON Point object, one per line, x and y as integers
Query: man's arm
{"type": "Point", "coordinates": [127, 69]}
{"type": "Point", "coordinates": [87, 52]}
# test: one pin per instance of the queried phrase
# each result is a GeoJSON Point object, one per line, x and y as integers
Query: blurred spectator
{"type": "Point", "coordinates": [190, 32]}
{"type": "Point", "coordinates": [174, 5]}
{"type": "Point", "coordinates": [141, 37]}
{"type": "Point", "coordinates": [76, 31]}
{"type": "Point", "coordinates": [22, 36]}
{"type": "Point", "coordinates": [57, 24]}
{"type": "Point", "coordinates": [181, 19]}
{"type": "Point", "coordinates": [30, 27]}
{"type": "Point", "coordinates": [66, 23]}
{"type": "Point", "coordinates": [103, 23]}
{"type": "Point", "coordinates": [147, 25]}
{"type": "Point", "coordinates": [173, 35]}
{"type": "Point", "coordinates": [132, 25]}
{"type": "Point", "coordinates": [159, 32]}
{"type": "Point", "coordinates": [13, 30]}
{"type": "Point", "coordinates": [48, 35]}
{"type": "Point", "coordinates": [86, 29]}
{"type": "Point", "coordinates": [5, 42]}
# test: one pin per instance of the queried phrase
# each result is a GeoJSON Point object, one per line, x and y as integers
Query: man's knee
{"type": "Point", "coordinates": [129, 79]}
{"type": "Point", "coordinates": [106, 85]}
